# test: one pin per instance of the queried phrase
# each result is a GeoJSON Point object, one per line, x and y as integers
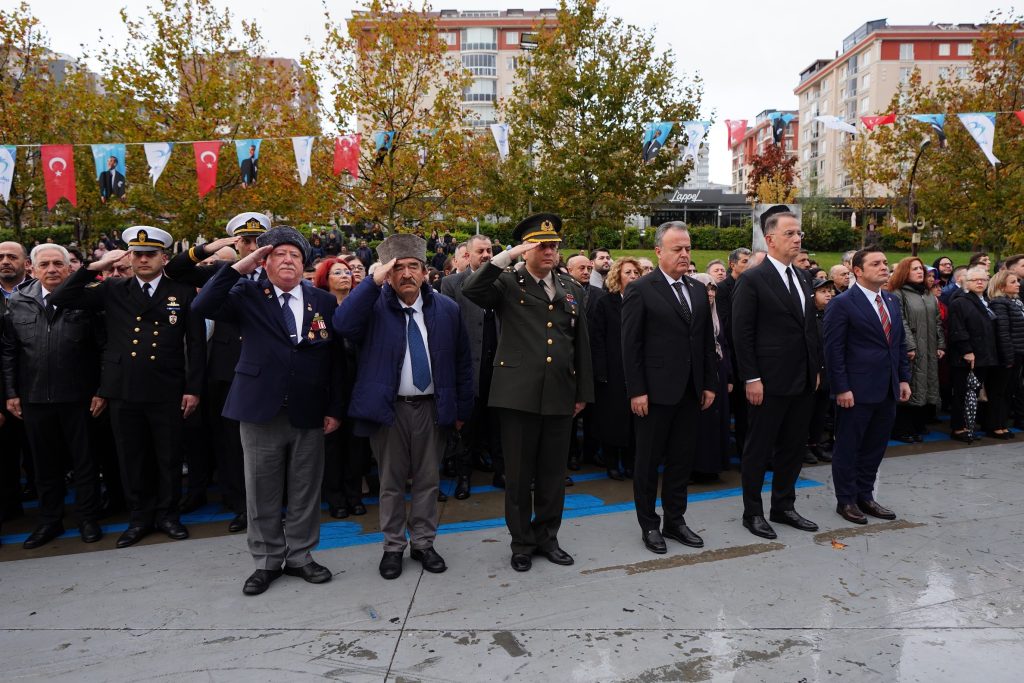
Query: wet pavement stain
{"type": "Point", "coordinates": [350, 650]}
{"type": "Point", "coordinates": [826, 537]}
{"type": "Point", "coordinates": [685, 560]}
{"type": "Point", "coordinates": [508, 643]}
{"type": "Point", "coordinates": [694, 669]}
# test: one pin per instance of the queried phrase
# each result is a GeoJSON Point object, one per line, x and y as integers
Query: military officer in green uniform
{"type": "Point", "coordinates": [542, 379]}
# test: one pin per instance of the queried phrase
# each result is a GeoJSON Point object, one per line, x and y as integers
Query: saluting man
{"type": "Point", "coordinates": [542, 378]}
{"type": "Point", "coordinates": [153, 373]}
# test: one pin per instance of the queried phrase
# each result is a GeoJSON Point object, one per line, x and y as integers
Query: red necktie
{"type": "Point", "coordinates": [884, 315]}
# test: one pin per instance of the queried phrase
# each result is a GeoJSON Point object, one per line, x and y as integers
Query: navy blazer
{"type": "Point", "coordinates": [273, 372]}
{"type": "Point", "coordinates": [858, 357]}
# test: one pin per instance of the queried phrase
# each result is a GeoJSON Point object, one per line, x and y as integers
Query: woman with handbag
{"type": "Point", "coordinates": [972, 347]}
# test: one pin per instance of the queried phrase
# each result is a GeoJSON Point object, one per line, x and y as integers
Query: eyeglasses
{"type": "Point", "coordinates": [978, 279]}
{"type": "Point", "coordinates": [790, 234]}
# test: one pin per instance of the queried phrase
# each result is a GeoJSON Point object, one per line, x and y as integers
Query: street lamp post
{"type": "Point", "coordinates": [915, 239]}
{"type": "Point", "coordinates": [528, 42]}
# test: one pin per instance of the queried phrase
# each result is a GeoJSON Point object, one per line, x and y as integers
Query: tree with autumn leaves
{"type": "Point", "coordinates": [772, 177]}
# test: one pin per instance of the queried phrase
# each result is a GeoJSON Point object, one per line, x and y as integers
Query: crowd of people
{"type": "Point", "coordinates": [298, 372]}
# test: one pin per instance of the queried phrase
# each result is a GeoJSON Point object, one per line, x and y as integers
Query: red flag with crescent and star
{"type": "Point", "coordinates": [873, 122]}
{"type": "Point", "coordinates": [206, 165]}
{"type": "Point", "coordinates": [59, 174]}
{"type": "Point", "coordinates": [346, 154]}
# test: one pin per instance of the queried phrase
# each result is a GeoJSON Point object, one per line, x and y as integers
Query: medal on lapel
{"type": "Point", "coordinates": [318, 325]}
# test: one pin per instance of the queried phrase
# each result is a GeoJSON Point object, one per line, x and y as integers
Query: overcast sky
{"type": "Point", "coordinates": [749, 52]}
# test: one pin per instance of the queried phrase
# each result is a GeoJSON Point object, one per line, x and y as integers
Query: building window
{"type": "Point", "coordinates": [943, 49]}
{"type": "Point", "coordinates": [864, 104]}
{"type": "Point", "coordinates": [479, 39]}
{"type": "Point", "coordinates": [480, 91]}
{"type": "Point", "coordinates": [824, 107]}
{"type": "Point", "coordinates": [824, 86]}
{"type": "Point", "coordinates": [944, 73]}
{"type": "Point", "coordinates": [823, 148]}
{"type": "Point", "coordinates": [512, 63]}
{"type": "Point", "coordinates": [447, 37]}
{"type": "Point", "coordinates": [906, 51]}
{"type": "Point", "coordinates": [964, 49]}
{"type": "Point", "coordinates": [905, 75]}
{"type": "Point", "coordinates": [481, 65]}
{"type": "Point", "coordinates": [866, 82]}
{"type": "Point", "coordinates": [512, 37]}
{"type": "Point", "coordinates": [963, 73]}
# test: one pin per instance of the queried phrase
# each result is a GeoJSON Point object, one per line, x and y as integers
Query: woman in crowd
{"type": "Point", "coordinates": [972, 346]}
{"type": "Point", "coordinates": [926, 345]}
{"type": "Point", "coordinates": [819, 432]}
{"type": "Point", "coordinates": [357, 268]}
{"type": "Point", "coordinates": [944, 270]}
{"type": "Point", "coordinates": [345, 459]}
{"type": "Point", "coordinates": [434, 278]}
{"type": "Point", "coordinates": [612, 412]}
{"type": "Point", "coordinates": [1005, 302]}
{"type": "Point", "coordinates": [712, 454]}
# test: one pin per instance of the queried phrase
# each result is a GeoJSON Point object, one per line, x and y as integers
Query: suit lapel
{"type": "Point", "coordinates": [661, 286]}
{"type": "Point", "coordinates": [307, 313]}
{"type": "Point", "coordinates": [274, 309]}
{"type": "Point", "coordinates": [870, 314]}
{"type": "Point", "coordinates": [158, 294]}
{"type": "Point", "coordinates": [136, 294]}
{"type": "Point", "coordinates": [781, 288]}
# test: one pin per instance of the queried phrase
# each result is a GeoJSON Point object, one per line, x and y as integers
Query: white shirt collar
{"type": "Point", "coordinates": [416, 305]}
{"type": "Point", "coordinates": [779, 265]}
{"type": "Point", "coordinates": [295, 291]}
{"type": "Point", "coordinates": [668, 278]}
{"type": "Point", "coordinates": [153, 284]}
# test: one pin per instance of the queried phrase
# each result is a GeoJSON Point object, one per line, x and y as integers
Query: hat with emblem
{"type": "Point", "coordinates": [402, 245]}
{"type": "Point", "coordinates": [284, 234]}
{"type": "Point", "coordinates": [248, 224]}
{"type": "Point", "coordinates": [146, 238]}
{"type": "Point", "coordinates": [540, 227]}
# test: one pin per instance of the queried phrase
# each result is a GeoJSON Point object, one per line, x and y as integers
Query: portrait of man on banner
{"type": "Point", "coordinates": [654, 139]}
{"type": "Point", "coordinates": [248, 160]}
{"type": "Point", "coordinates": [112, 181]}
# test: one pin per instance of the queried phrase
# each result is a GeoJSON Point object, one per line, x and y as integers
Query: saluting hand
{"type": "Point", "coordinates": [249, 263]}
{"type": "Point", "coordinates": [520, 249]}
{"type": "Point", "coordinates": [108, 260]}
{"type": "Point", "coordinates": [381, 272]}
{"type": "Point", "coordinates": [211, 248]}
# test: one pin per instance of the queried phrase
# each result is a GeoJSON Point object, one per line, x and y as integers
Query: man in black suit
{"type": "Point", "coordinates": [777, 350]}
{"type": "Point", "coordinates": [153, 368]}
{"type": "Point", "coordinates": [581, 268]}
{"type": "Point", "coordinates": [668, 350]}
{"type": "Point", "coordinates": [111, 182]}
{"type": "Point", "coordinates": [738, 260]}
{"type": "Point", "coordinates": [249, 168]}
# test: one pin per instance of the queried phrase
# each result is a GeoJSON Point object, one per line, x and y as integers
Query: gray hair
{"type": "Point", "coordinates": [848, 256]}
{"type": "Point", "coordinates": [717, 261]}
{"type": "Point", "coordinates": [773, 221]}
{"type": "Point", "coordinates": [982, 270]}
{"type": "Point", "coordinates": [665, 227]}
{"type": "Point", "coordinates": [735, 254]}
{"type": "Point", "coordinates": [477, 238]}
{"type": "Point", "coordinates": [43, 247]}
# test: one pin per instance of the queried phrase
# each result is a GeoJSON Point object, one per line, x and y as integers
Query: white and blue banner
{"type": "Point", "coordinates": [157, 156]}
{"type": "Point", "coordinates": [982, 127]}
{"type": "Point", "coordinates": [836, 123]}
{"type": "Point", "coordinates": [102, 154]}
{"type": "Point", "coordinates": [382, 140]}
{"type": "Point", "coordinates": [936, 121]}
{"type": "Point", "coordinates": [655, 136]}
{"type": "Point", "coordinates": [303, 147]}
{"type": "Point", "coordinates": [695, 132]}
{"type": "Point", "coordinates": [7, 156]}
{"type": "Point", "coordinates": [779, 123]}
{"type": "Point", "coordinates": [500, 132]}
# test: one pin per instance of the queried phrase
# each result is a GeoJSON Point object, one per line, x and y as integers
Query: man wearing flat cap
{"type": "Point", "coordinates": [152, 373]}
{"type": "Point", "coordinates": [542, 378]}
{"type": "Point", "coordinates": [414, 382]}
{"type": "Point", "coordinates": [286, 394]}
{"type": "Point", "coordinates": [225, 348]}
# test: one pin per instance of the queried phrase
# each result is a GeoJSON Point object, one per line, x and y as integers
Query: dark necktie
{"type": "Point", "coordinates": [48, 309]}
{"type": "Point", "coordinates": [793, 293]}
{"type": "Point", "coordinates": [289, 318]}
{"type": "Point", "coordinates": [883, 315]}
{"type": "Point", "coordinates": [687, 313]}
{"type": "Point", "coordinates": [147, 289]}
{"type": "Point", "coordinates": [417, 353]}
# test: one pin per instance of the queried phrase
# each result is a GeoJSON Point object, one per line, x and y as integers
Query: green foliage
{"type": "Point", "coordinates": [711, 237]}
{"type": "Point", "coordinates": [60, 234]}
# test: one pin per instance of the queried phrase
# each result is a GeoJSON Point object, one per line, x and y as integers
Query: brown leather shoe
{"type": "Point", "coordinates": [870, 507]}
{"type": "Point", "coordinates": [851, 513]}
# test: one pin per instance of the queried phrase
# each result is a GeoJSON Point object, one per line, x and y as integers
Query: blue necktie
{"type": "Point", "coordinates": [417, 353]}
{"type": "Point", "coordinates": [289, 318]}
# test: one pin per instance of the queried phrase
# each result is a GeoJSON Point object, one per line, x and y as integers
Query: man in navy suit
{"type": "Point", "coordinates": [286, 395]}
{"type": "Point", "coordinates": [866, 360]}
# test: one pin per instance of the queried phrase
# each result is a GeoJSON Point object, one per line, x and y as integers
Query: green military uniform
{"type": "Point", "coordinates": [542, 369]}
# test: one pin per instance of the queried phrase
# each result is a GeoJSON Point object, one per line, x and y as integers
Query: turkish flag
{"type": "Point", "coordinates": [59, 174]}
{"type": "Point", "coordinates": [736, 131]}
{"type": "Point", "coordinates": [346, 154]}
{"type": "Point", "coordinates": [872, 121]}
{"type": "Point", "coordinates": [1020, 115]}
{"type": "Point", "coordinates": [206, 165]}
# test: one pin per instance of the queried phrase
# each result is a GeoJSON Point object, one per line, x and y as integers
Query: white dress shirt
{"type": "Point", "coordinates": [295, 304]}
{"type": "Point", "coordinates": [153, 284]}
{"type": "Point", "coordinates": [405, 384]}
{"type": "Point", "coordinates": [686, 288]}
{"type": "Point", "coordinates": [871, 300]}
{"type": "Point", "coordinates": [781, 267]}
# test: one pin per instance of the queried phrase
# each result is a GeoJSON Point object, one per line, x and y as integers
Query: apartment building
{"type": "Point", "coordinates": [756, 139]}
{"type": "Point", "coordinates": [861, 80]}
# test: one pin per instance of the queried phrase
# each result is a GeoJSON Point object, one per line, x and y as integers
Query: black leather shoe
{"type": "Point", "coordinates": [339, 512]}
{"type": "Point", "coordinates": [358, 509]}
{"type": "Point", "coordinates": [793, 519]}
{"type": "Point", "coordinates": [260, 581]}
{"type": "Point", "coordinates": [904, 438]}
{"type": "Point", "coordinates": [809, 458]}
{"type": "Point", "coordinates": [498, 482]}
{"type": "Point", "coordinates": [870, 507]}
{"type": "Point", "coordinates": [173, 528]}
{"type": "Point", "coordinates": [822, 456]}
{"type": "Point", "coordinates": [521, 562]}
{"type": "Point", "coordinates": [43, 535]}
{"type": "Point", "coordinates": [442, 497]}
{"type": "Point", "coordinates": [628, 471]}
{"type": "Point", "coordinates": [918, 438]}
{"type": "Point", "coordinates": [462, 488]}
{"type": "Point", "coordinates": [191, 503]}
{"type": "Point", "coordinates": [682, 533]}
{"type": "Point", "coordinates": [429, 558]}
{"type": "Point", "coordinates": [759, 526]}
{"type": "Point", "coordinates": [310, 573]}
{"type": "Point", "coordinates": [238, 523]}
{"type": "Point", "coordinates": [851, 513]}
{"type": "Point", "coordinates": [555, 555]}
{"type": "Point", "coordinates": [654, 542]}
{"type": "Point", "coordinates": [966, 437]}
{"type": "Point", "coordinates": [569, 481]}
{"type": "Point", "coordinates": [90, 531]}
{"type": "Point", "coordinates": [131, 536]}
{"type": "Point", "coordinates": [615, 474]}
{"type": "Point", "coordinates": [1004, 436]}
{"type": "Point", "coordinates": [391, 564]}
{"type": "Point", "coordinates": [574, 463]}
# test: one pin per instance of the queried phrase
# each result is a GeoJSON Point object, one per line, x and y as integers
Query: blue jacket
{"type": "Point", "coordinates": [857, 355]}
{"type": "Point", "coordinates": [372, 318]}
{"type": "Point", "coordinates": [273, 372]}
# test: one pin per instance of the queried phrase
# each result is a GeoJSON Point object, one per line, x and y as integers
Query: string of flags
{"type": "Point", "coordinates": [656, 134]}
